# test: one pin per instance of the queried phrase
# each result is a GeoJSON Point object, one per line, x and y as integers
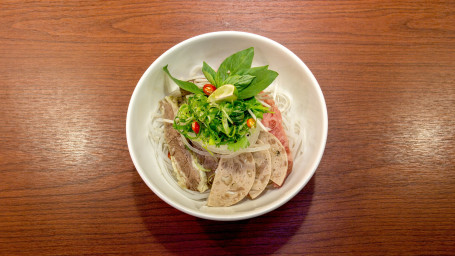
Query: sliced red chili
{"type": "Point", "coordinates": [251, 122]}
{"type": "Point", "coordinates": [195, 127]}
{"type": "Point", "coordinates": [208, 89]}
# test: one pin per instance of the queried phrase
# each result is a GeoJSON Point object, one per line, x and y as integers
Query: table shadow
{"type": "Point", "coordinates": [182, 234]}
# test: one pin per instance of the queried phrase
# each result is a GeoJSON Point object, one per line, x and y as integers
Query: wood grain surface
{"type": "Point", "coordinates": [386, 182]}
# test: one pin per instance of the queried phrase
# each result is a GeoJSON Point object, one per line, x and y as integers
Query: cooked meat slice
{"type": "Point", "coordinates": [208, 162]}
{"type": "Point", "coordinates": [263, 164]}
{"type": "Point", "coordinates": [188, 176]}
{"type": "Point", "coordinates": [234, 178]}
{"type": "Point", "coordinates": [275, 123]}
{"type": "Point", "coordinates": [278, 157]}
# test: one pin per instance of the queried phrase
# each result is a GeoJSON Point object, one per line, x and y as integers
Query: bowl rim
{"type": "Point", "coordinates": [248, 214]}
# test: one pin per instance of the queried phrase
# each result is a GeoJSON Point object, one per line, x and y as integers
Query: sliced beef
{"type": "Point", "coordinates": [208, 162]}
{"type": "Point", "coordinates": [187, 175]}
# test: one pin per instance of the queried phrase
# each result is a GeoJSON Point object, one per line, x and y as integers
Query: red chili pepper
{"type": "Point", "coordinates": [251, 122]}
{"type": "Point", "coordinates": [169, 155]}
{"type": "Point", "coordinates": [208, 89]}
{"type": "Point", "coordinates": [195, 126]}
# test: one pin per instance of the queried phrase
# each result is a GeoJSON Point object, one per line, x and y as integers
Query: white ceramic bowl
{"type": "Point", "coordinates": [295, 80]}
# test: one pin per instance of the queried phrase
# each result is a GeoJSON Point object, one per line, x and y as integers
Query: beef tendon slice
{"type": "Point", "coordinates": [279, 157]}
{"type": "Point", "coordinates": [234, 178]}
{"type": "Point", "coordinates": [263, 162]}
{"type": "Point", "coordinates": [183, 162]}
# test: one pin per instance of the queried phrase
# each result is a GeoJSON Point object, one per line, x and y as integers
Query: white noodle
{"type": "Point", "coordinates": [274, 92]}
{"type": "Point", "coordinates": [283, 103]}
{"type": "Point", "coordinates": [164, 120]}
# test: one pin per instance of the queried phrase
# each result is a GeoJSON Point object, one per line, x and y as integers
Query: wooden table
{"type": "Point", "coordinates": [386, 182]}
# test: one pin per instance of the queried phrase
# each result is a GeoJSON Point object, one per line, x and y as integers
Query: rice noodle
{"type": "Point", "coordinates": [164, 120]}
{"type": "Point", "coordinates": [283, 103]}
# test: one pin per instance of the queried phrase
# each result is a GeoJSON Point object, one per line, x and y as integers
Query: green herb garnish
{"type": "Point", "coordinates": [187, 86]}
{"type": "Point", "coordinates": [220, 124]}
{"type": "Point", "coordinates": [235, 69]}
{"type": "Point", "coordinates": [224, 122]}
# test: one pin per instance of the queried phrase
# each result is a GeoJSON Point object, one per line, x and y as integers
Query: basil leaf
{"type": "Point", "coordinates": [232, 64]}
{"type": "Point", "coordinates": [251, 71]}
{"type": "Point", "coordinates": [239, 81]}
{"type": "Point", "coordinates": [209, 73]}
{"type": "Point", "coordinates": [187, 86]}
{"type": "Point", "coordinates": [264, 78]}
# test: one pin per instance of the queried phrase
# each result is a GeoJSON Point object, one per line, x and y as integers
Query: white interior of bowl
{"type": "Point", "coordinates": [295, 80]}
